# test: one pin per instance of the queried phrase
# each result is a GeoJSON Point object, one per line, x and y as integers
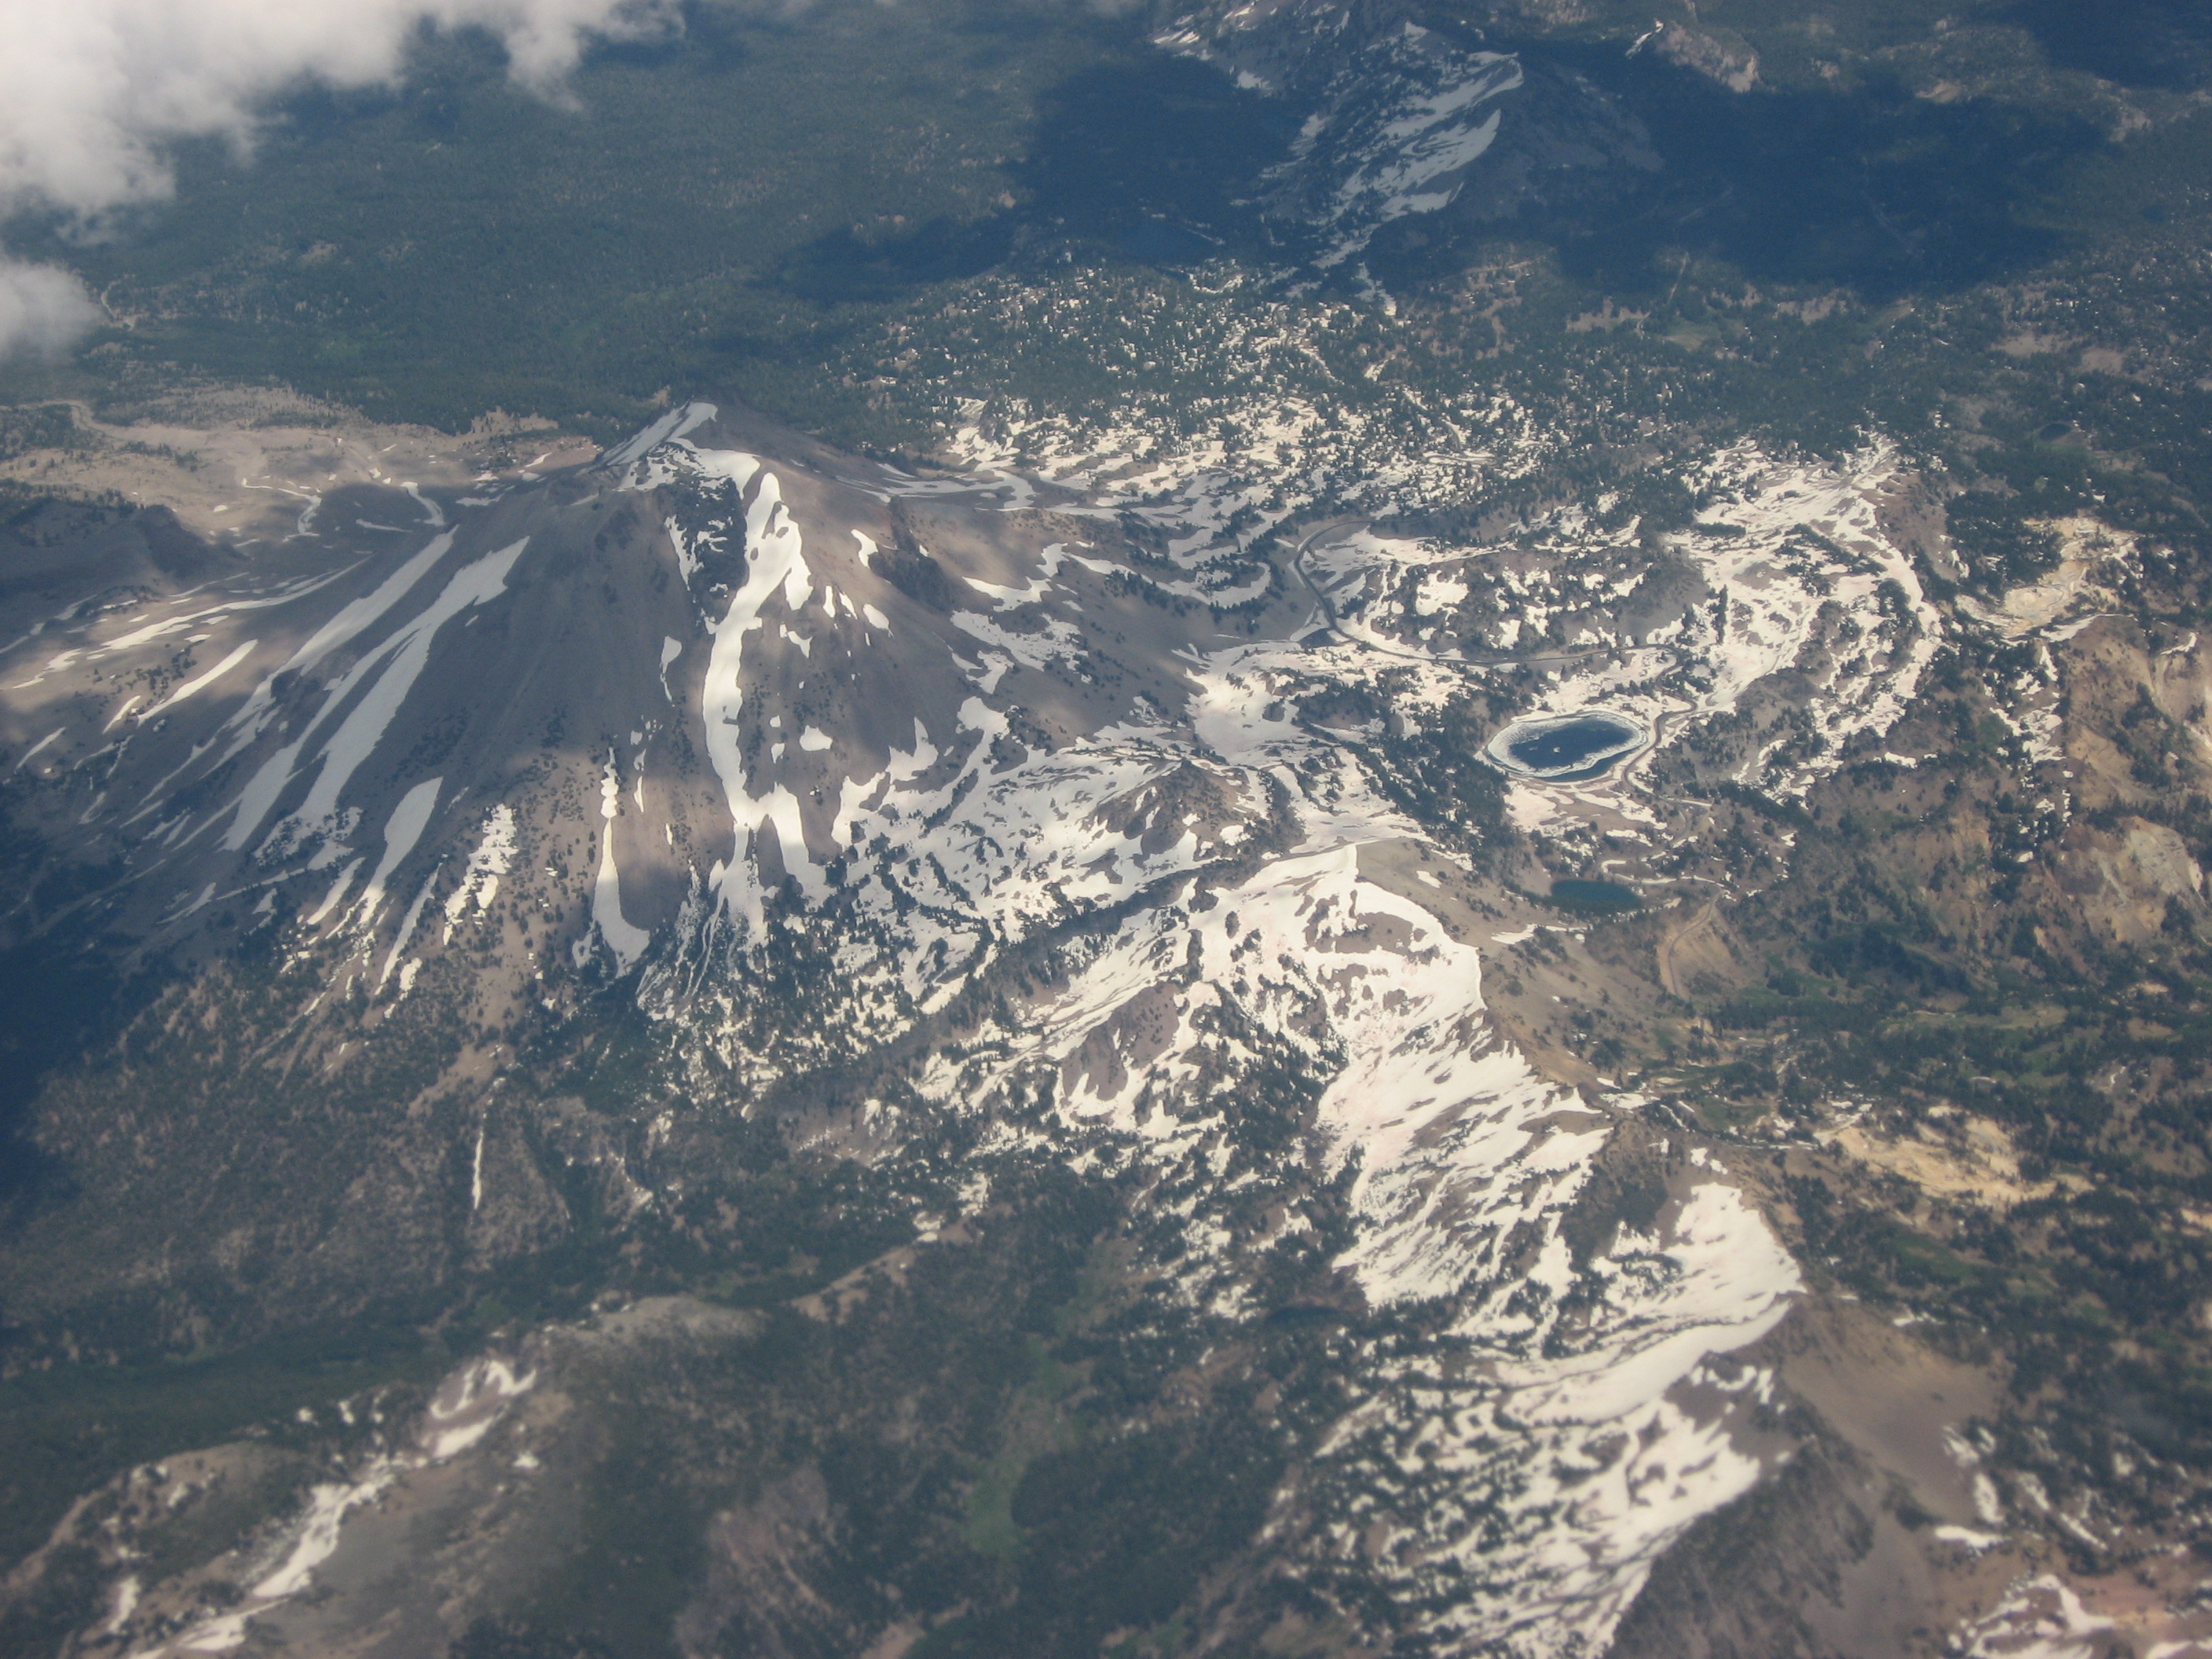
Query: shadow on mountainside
{"type": "Point", "coordinates": [2164, 44]}
{"type": "Point", "coordinates": [1874, 189]}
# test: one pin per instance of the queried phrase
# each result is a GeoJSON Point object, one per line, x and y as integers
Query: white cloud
{"type": "Point", "coordinates": [42, 307]}
{"type": "Point", "coordinates": [91, 90]}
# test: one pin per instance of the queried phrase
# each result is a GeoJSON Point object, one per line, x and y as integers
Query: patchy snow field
{"type": "Point", "coordinates": [913, 725]}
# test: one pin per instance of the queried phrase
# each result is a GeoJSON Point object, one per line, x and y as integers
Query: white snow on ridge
{"type": "Point", "coordinates": [668, 428]}
{"type": "Point", "coordinates": [1527, 1496]}
{"type": "Point", "coordinates": [1032, 842]}
{"type": "Point", "coordinates": [1842, 606]}
{"type": "Point", "coordinates": [1809, 601]}
{"type": "Point", "coordinates": [2039, 1618]}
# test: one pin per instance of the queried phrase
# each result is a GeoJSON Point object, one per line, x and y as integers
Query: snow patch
{"type": "Point", "coordinates": [626, 940]}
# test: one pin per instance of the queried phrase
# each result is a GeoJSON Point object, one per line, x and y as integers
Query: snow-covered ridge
{"type": "Point", "coordinates": [1526, 1495]}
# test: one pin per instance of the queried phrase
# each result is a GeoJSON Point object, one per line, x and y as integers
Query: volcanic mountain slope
{"type": "Point", "coordinates": [1000, 967]}
{"type": "Point", "coordinates": [1401, 120]}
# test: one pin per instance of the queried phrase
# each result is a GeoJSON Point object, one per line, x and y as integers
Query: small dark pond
{"type": "Point", "coordinates": [1560, 747]}
{"type": "Point", "coordinates": [1596, 895]}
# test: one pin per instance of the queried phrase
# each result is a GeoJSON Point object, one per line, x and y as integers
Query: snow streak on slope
{"type": "Point", "coordinates": [627, 941]}
{"type": "Point", "coordinates": [778, 564]}
{"type": "Point", "coordinates": [1409, 149]}
{"type": "Point", "coordinates": [401, 832]}
{"type": "Point", "coordinates": [340, 630]}
{"type": "Point", "coordinates": [464, 1407]}
{"type": "Point", "coordinates": [493, 858]}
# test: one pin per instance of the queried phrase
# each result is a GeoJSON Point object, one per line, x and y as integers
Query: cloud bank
{"type": "Point", "coordinates": [42, 308]}
{"type": "Point", "coordinates": [91, 91]}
